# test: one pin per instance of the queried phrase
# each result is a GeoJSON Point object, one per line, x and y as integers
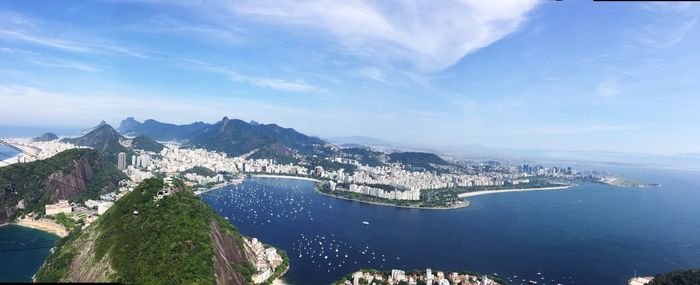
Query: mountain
{"type": "Point", "coordinates": [71, 174]}
{"type": "Point", "coordinates": [425, 160]}
{"type": "Point", "coordinates": [45, 137]}
{"type": "Point", "coordinates": [236, 137]}
{"type": "Point", "coordinates": [364, 155]}
{"type": "Point", "coordinates": [146, 143]}
{"type": "Point", "coordinates": [358, 140]}
{"type": "Point", "coordinates": [160, 131]}
{"type": "Point", "coordinates": [105, 140]}
{"type": "Point", "coordinates": [175, 240]}
{"type": "Point", "coordinates": [85, 131]}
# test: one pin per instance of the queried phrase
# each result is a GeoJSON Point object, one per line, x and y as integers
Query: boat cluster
{"type": "Point", "coordinates": [330, 253]}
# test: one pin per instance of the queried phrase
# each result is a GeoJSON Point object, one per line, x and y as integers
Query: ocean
{"type": "Point", "coordinates": [589, 234]}
{"type": "Point", "coordinates": [22, 252]}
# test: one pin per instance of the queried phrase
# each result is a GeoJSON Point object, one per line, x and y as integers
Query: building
{"type": "Point", "coordinates": [61, 207]}
{"type": "Point", "coordinates": [121, 161]}
{"type": "Point", "coordinates": [318, 170]}
{"type": "Point", "coordinates": [102, 207]}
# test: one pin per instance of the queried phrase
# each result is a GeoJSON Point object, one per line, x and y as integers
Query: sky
{"type": "Point", "coordinates": [524, 74]}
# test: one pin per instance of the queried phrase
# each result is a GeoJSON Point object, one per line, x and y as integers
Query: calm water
{"type": "Point", "coordinates": [591, 234]}
{"type": "Point", "coordinates": [5, 153]}
{"type": "Point", "coordinates": [22, 251]}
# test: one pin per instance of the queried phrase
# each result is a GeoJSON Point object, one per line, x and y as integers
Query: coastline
{"type": "Point", "coordinates": [283, 176]}
{"type": "Point", "coordinates": [486, 192]}
{"type": "Point", "coordinates": [43, 225]}
{"type": "Point", "coordinates": [397, 206]}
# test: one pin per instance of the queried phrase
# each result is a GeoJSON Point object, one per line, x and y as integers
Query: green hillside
{"type": "Point", "coordinates": [142, 241]}
{"type": "Point", "coordinates": [74, 174]}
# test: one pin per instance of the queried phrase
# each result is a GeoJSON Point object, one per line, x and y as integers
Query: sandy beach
{"type": "Point", "coordinates": [486, 192]}
{"type": "Point", "coordinates": [43, 225]}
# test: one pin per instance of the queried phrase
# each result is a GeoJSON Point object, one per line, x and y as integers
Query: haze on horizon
{"type": "Point", "coordinates": [565, 75]}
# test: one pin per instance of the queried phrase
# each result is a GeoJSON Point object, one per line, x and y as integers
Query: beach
{"type": "Point", "coordinates": [486, 192]}
{"type": "Point", "coordinates": [43, 225]}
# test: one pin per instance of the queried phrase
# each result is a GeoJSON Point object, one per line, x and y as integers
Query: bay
{"type": "Point", "coordinates": [590, 234]}
{"type": "Point", "coordinates": [22, 251]}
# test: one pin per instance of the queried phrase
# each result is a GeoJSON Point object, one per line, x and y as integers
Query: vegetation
{"type": "Point", "coordinates": [64, 220]}
{"type": "Point", "coordinates": [236, 137]}
{"type": "Point", "coordinates": [200, 170]}
{"type": "Point", "coordinates": [447, 196]}
{"type": "Point", "coordinates": [422, 160]}
{"type": "Point", "coordinates": [29, 182]}
{"type": "Point", "coordinates": [146, 143]}
{"type": "Point", "coordinates": [680, 277]}
{"type": "Point", "coordinates": [57, 265]}
{"type": "Point", "coordinates": [165, 243]}
{"type": "Point", "coordinates": [364, 156]}
{"type": "Point", "coordinates": [147, 241]}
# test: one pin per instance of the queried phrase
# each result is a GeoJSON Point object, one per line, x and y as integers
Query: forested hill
{"type": "Point", "coordinates": [175, 240]}
{"type": "Point", "coordinates": [104, 139]}
{"type": "Point", "coordinates": [71, 174]}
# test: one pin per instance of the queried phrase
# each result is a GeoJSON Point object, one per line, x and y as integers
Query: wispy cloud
{"type": "Point", "coordinates": [263, 82]}
{"type": "Point", "coordinates": [24, 29]}
{"type": "Point", "coordinates": [29, 105]}
{"type": "Point", "coordinates": [424, 35]}
{"type": "Point", "coordinates": [64, 64]}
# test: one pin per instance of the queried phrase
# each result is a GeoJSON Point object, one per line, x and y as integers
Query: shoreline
{"type": "Point", "coordinates": [397, 206]}
{"type": "Point", "coordinates": [487, 192]}
{"type": "Point", "coordinates": [43, 225]}
{"type": "Point", "coordinates": [283, 176]}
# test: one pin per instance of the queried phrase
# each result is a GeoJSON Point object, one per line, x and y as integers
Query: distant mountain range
{"type": "Point", "coordinates": [160, 131]}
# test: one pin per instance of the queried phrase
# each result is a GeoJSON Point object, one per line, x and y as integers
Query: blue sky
{"type": "Point", "coordinates": [568, 75]}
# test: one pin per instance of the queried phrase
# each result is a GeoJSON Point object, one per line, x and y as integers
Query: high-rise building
{"type": "Point", "coordinates": [121, 161]}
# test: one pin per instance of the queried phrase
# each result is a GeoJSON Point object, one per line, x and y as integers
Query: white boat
{"type": "Point", "coordinates": [365, 222]}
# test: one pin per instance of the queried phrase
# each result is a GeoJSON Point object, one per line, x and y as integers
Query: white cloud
{"type": "Point", "coordinates": [427, 35]}
{"type": "Point", "coordinates": [263, 82]}
{"type": "Point", "coordinates": [27, 106]}
{"type": "Point", "coordinates": [65, 64]}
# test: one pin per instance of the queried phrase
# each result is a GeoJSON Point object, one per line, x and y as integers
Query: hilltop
{"type": "Point", "coordinates": [141, 240]}
{"type": "Point", "coordinates": [160, 131]}
{"type": "Point", "coordinates": [71, 174]}
{"type": "Point", "coordinates": [104, 139]}
{"type": "Point", "coordinates": [46, 137]}
{"type": "Point", "coordinates": [146, 143]}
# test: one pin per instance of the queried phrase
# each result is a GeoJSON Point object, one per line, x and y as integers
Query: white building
{"type": "Point", "coordinates": [61, 207]}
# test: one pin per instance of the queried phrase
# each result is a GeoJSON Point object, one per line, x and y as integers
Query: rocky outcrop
{"type": "Point", "coordinates": [66, 185]}
{"type": "Point", "coordinates": [227, 251]}
{"type": "Point", "coordinates": [67, 175]}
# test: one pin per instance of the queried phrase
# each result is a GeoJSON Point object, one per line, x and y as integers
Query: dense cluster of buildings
{"type": "Point", "coordinates": [36, 150]}
{"type": "Point", "coordinates": [396, 276]}
{"type": "Point", "coordinates": [266, 259]}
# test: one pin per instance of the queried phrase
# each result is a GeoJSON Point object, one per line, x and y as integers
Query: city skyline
{"type": "Point", "coordinates": [522, 74]}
